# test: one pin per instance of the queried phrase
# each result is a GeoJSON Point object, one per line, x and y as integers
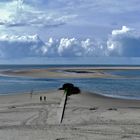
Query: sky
{"type": "Point", "coordinates": [69, 32]}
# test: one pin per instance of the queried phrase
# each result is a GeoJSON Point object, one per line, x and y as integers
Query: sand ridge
{"type": "Point", "coordinates": [69, 72]}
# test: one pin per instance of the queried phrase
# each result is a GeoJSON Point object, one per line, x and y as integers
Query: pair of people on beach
{"type": "Point", "coordinates": [42, 98]}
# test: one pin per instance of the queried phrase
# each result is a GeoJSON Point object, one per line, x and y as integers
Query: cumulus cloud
{"type": "Point", "coordinates": [122, 31]}
{"type": "Point", "coordinates": [74, 47]}
{"type": "Point", "coordinates": [124, 42]}
{"type": "Point", "coordinates": [27, 46]}
{"type": "Point", "coordinates": [20, 46]}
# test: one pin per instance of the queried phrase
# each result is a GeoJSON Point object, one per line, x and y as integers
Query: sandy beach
{"type": "Point", "coordinates": [87, 116]}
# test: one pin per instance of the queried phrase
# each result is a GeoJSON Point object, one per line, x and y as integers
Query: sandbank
{"type": "Point", "coordinates": [69, 72]}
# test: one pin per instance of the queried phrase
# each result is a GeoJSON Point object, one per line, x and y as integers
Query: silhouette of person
{"type": "Point", "coordinates": [40, 98]}
{"type": "Point", "coordinates": [31, 93]}
{"type": "Point", "coordinates": [44, 98]}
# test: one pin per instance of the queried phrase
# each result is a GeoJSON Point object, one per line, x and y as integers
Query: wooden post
{"type": "Point", "coordinates": [62, 107]}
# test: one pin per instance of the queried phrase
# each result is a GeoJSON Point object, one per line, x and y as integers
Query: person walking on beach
{"type": "Point", "coordinates": [40, 98]}
{"type": "Point", "coordinates": [31, 93]}
{"type": "Point", "coordinates": [44, 98]}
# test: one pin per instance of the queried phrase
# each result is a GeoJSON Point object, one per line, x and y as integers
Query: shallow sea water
{"type": "Point", "coordinates": [119, 87]}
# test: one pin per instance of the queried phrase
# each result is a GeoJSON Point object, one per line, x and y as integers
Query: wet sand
{"type": "Point", "coordinates": [69, 72]}
{"type": "Point", "coordinates": [87, 116]}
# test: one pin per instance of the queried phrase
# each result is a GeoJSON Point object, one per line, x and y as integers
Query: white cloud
{"type": "Point", "coordinates": [18, 13]}
{"type": "Point", "coordinates": [28, 46]}
{"type": "Point", "coordinates": [122, 31]}
{"type": "Point", "coordinates": [74, 47]}
{"type": "Point", "coordinates": [20, 46]}
{"type": "Point", "coordinates": [124, 42]}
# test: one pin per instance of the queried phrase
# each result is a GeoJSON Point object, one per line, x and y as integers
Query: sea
{"type": "Point", "coordinates": [127, 87]}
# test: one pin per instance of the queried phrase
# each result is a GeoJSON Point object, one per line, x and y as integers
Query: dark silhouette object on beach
{"type": "Point", "coordinates": [115, 109]}
{"type": "Point", "coordinates": [11, 107]}
{"type": "Point", "coordinates": [66, 86]}
{"type": "Point", "coordinates": [70, 89]}
{"type": "Point", "coordinates": [93, 108]}
{"type": "Point", "coordinates": [44, 98]}
{"type": "Point", "coordinates": [40, 98]}
{"type": "Point", "coordinates": [75, 90]}
{"type": "Point", "coordinates": [31, 93]}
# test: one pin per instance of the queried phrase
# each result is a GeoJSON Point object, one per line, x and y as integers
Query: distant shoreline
{"type": "Point", "coordinates": [67, 72]}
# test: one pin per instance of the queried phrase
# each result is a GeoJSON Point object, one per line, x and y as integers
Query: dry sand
{"type": "Point", "coordinates": [87, 117]}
